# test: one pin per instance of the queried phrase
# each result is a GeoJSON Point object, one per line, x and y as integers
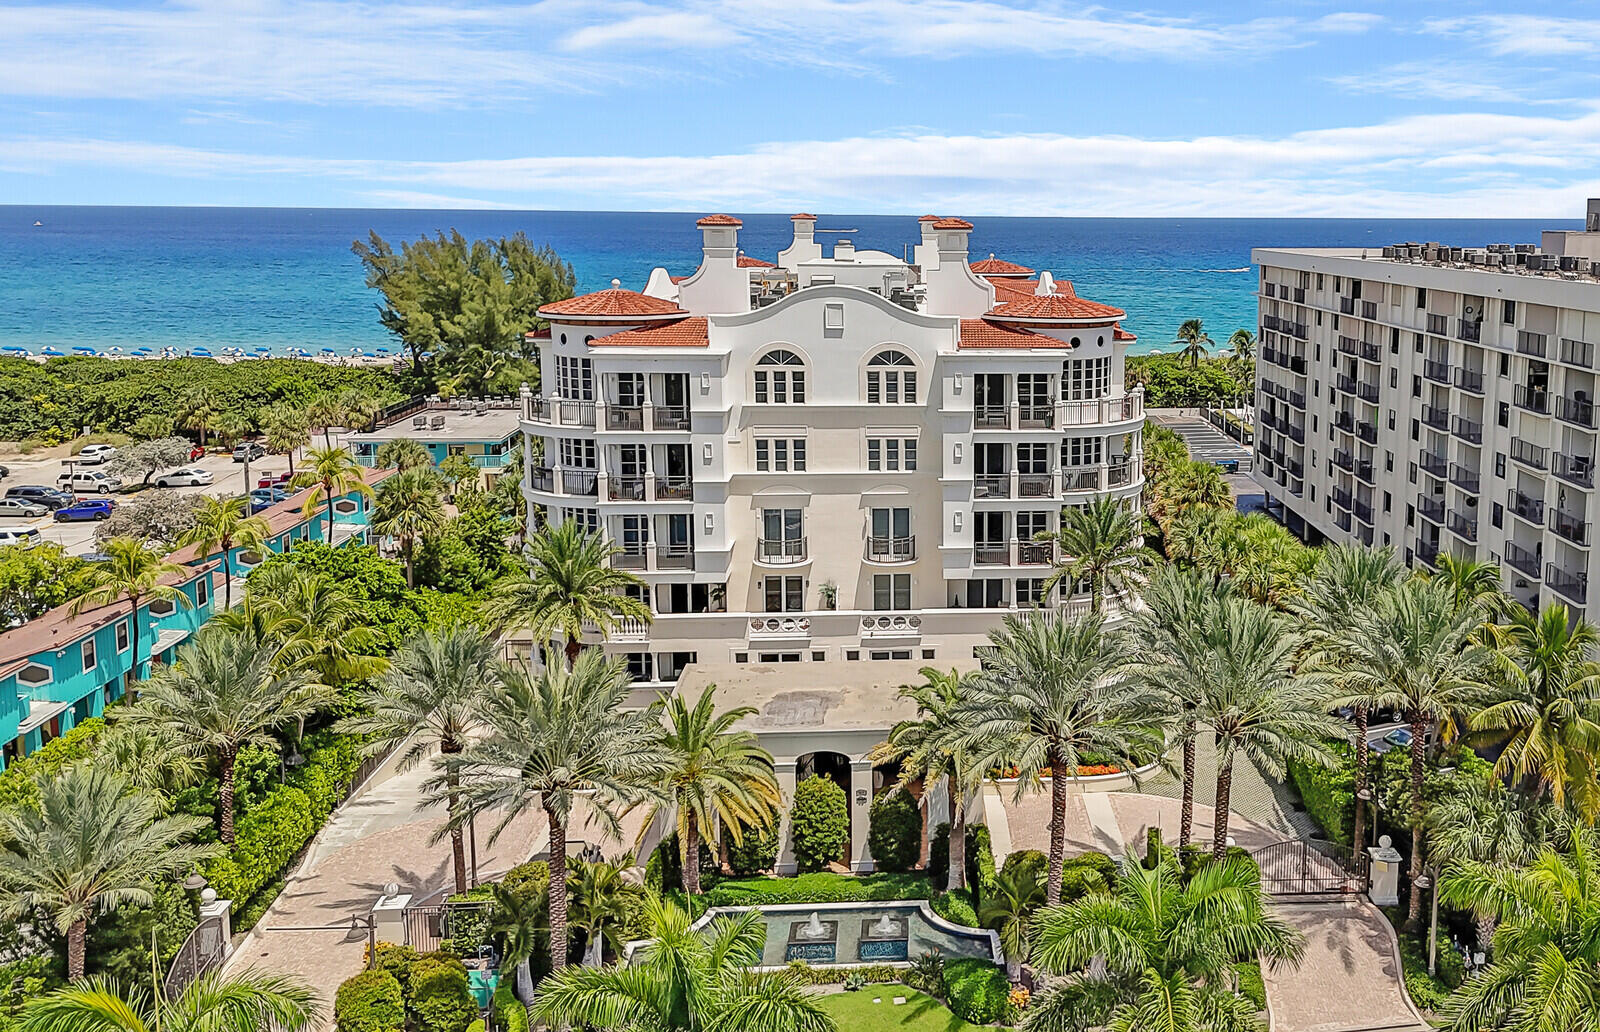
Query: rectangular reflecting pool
{"type": "Point", "coordinates": [890, 932]}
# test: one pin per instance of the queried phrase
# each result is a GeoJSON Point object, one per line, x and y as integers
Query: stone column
{"type": "Point", "coordinates": [221, 909]}
{"type": "Point", "coordinates": [860, 815]}
{"type": "Point", "coordinates": [785, 773]}
{"type": "Point", "coordinates": [388, 914]}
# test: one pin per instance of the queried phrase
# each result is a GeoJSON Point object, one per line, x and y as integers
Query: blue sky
{"type": "Point", "coordinates": [982, 107]}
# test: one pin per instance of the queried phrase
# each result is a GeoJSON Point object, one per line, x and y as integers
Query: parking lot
{"type": "Point", "coordinates": [78, 537]}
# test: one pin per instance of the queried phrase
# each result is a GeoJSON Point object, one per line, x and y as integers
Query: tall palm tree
{"type": "Point", "coordinates": [1419, 653]}
{"type": "Point", "coordinates": [199, 408]}
{"type": "Point", "coordinates": [324, 412]}
{"type": "Point", "coordinates": [1475, 581]}
{"type": "Point", "coordinates": [320, 625]}
{"type": "Point", "coordinates": [1102, 543]}
{"type": "Point", "coordinates": [135, 571]}
{"type": "Point", "coordinates": [1193, 341]}
{"type": "Point", "coordinates": [434, 693]}
{"type": "Point", "coordinates": [225, 692]}
{"type": "Point", "coordinates": [714, 775]}
{"type": "Point", "coordinates": [1189, 485]}
{"type": "Point", "coordinates": [1178, 608]}
{"type": "Point", "coordinates": [357, 409]}
{"type": "Point", "coordinates": [1334, 604]}
{"type": "Point", "coordinates": [1548, 717]}
{"type": "Point", "coordinates": [409, 505]}
{"type": "Point", "coordinates": [1242, 345]}
{"type": "Point", "coordinates": [551, 736]}
{"type": "Point", "coordinates": [928, 747]}
{"type": "Point", "coordinates": [1270, 564]}
{"type": "Point", "coordinates": [1479, 820]}
{"type": "Point", "coordinates": [403, 454]}
{"type": "Point", "coordinates": [220, 526]}
{"type": "Point", "coordinates": [246, 1002]}
{"type": "Point", "coordinates": [153, 760]}
{"type": "Point", "coordinates": [684, 980]}
{"type": "Point", "coordinates": [234, 425]}
{"type": "Point", "coordinates": [336, 472]}
{"type": "Point", "coordinates": [1545, 976]}
{"type": "Point", "coordinates": [92, 843]}
{"type": "Point", "coordinates": [1050, 691]}
{"type": "Point", "coordinates": [286, 430]}
{"type": "Point", "coordinates": [569, 584]}
{"type": "Point", "coordinates": [1009, 909]}
{"type": "Point", "coordinates": [1249, 694]}
{"type": "Point", "coordinates": [1167, 947]}
{"type": "Point", "coordinates": [602, 905]}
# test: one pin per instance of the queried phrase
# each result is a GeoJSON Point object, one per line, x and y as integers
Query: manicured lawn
{"type": "Point", "coordinates": [855, 1012]}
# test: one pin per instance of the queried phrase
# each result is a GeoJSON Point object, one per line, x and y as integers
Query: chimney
{"type": "Point", "coordinates": [844, 251]}
{"type": "Point", "coordinates": [804, 247]}
{"type": "Point", "coordinates": [953, 288]}
{"type": "Point", "coordinates": [926, 254]}
{"type": "Point", "coordinates": [719, 286]}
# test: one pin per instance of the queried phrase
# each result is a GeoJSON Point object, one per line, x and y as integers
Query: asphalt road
{"type": "Point", "coordinates": [1208, 444]}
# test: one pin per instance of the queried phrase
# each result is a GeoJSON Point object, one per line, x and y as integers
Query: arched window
{"type": "Point", "coordinates": [780, 378]}
{"type": "Point", "coordinates": [891, 379]}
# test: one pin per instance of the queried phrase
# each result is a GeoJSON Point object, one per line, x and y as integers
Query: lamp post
{"type": "Point", "coordinates": [1423, 883]}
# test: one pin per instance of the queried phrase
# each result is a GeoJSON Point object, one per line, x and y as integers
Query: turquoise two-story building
{"type": "Point", "coordinates": [486, 431]}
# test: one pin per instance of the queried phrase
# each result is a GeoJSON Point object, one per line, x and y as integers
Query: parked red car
{"type": "Point", "coordinates": [274, 480]}
{"type": "Point", "coordinates": [197, 452]}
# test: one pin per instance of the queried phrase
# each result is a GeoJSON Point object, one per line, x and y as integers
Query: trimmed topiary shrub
{"type": "Point", "coordinates": [976, 991]}
{"type": "Point", "coordinates": [1027, 859]}
{"type": "Point", "coordinates": [894, 833]}
{"type": "Point", "coordinates": [820, 823]}
{"type": "Point", "coordinates": [755, 852]}
{"type": "Point", "coordinates": [509, 1013]}
{"type": "Point", "coordinates": [956, 905]}
{"type": "Point", "coordinates": [370, 1002]}
{"type": "Point", "coordinates": [939, 856]}
{"type": "Point", "coordinates": [439, 996]}
{"type": "Point", "coordinates": [980, 862]}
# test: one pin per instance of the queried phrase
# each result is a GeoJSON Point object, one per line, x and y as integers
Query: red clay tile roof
{"type": "Point", "coordinates": [1012, 290]}
{"type": "Point", "coordinates": [802, 215]}
{"type": "Point", "coordinates": [1118, 333]}
{"type": "Point", "coordinates": [1064, 304]}
{"type": "Point", "coordinates": [719, 220]}
{"type": "Point", "coordinates": [615, 304]}
{"type": "Point", "coordinates": [992, 266]}
{"type": "Point", "coordinates": [680, 333]}
{"type": "Point", "coordinates": [952, 224]}
{"type": "Point", "coordinates": [747, 262]}
{"type": "Point", "coordinates": [929, 218]}
{"type": "Point", "coordinates": [979, 333]}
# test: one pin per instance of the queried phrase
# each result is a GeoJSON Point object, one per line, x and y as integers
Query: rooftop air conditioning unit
{"type": "Point", "coordinates": [1549, 262]}
{"type": "Point", "coordinates": [1389, 252]}
{"type": "Point", "coordinates": [1476, 257]}
{"type": "Point", "coordinates": [1524, 248]}
{"type": "Point", "coordinates": [1455, 254]}
{"type": "Point", "coordinates": [1493, 259]}
{"type": "Point", "coordinates": [1569, 263]}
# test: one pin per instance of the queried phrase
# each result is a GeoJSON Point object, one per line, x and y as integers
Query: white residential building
{"type": "Point", "coordinates": [837, 456]}
{"type": "Point", "coordinates": [1439, 399]}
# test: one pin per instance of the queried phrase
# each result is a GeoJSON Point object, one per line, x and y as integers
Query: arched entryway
{"type": "Point", "coordinates": [836, 768]}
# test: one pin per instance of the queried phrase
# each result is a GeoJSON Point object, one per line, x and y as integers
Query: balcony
{"type": "Point", "coordinates": [1347, 306]}
{"type": "Point", "coordinates": [1295, 398]}
{"type": "Point", "coordinates": [1121, 471]}
{"type": "Point", "coordinates": [779, 627]}
{"type": "Point", "coordinates": [1469, 430]}
{"type": "Point", "coordinates": [1367, 432]}
{"type": "Point", "coordinates": [632, 557]}
{"type": "Point", "coordinates": [991, 486]}
{"type": "Point", "coordinates": [1370, 353]}
{"type": "Point", "coordinates": [1438, 465]}
{"type": "Point", "coordinates": [1369, 309]}
{"type": "Point", "coordinates": [1577, 411]}
{"type": "Point", "coordinates": [1299, 297]}
{"type": "Point", "coordinates": [1469, 380]}
{"type": "Point", "coordinates": [1363, 511]}
{"type": "Point", "coordinates": [1344, 460]}
{"type": "Point", "coordinates": [781, 551]}
{"type": "Point", "coordinates": [1530, 343]}
{"type": "Point", "coordinates": [559, 412]}
{"type": "Point", "coordinates": [674, 489]}
{"type": "Point", "coordinates": [1035, 553]}
{"type": "Point", "coordinates": [1468, 329]}
{"type": "Point", "coordinates": [1363, 471]}
{"type": "Point", "coordinates": [625, 489]}
{"type": "Point", "coordinates": [1572, 527]}
{"type": "Point", "coordinates": [992, 417]}
{"type": "Point", "coordinates": [1341, 519]}
{"type": "Point", "coordinates": [669, 417]}
{"type": "Point", "coordinates": [1577, 352]}
{"type": "Point", "coordinates": [1035, 417]}
{"type": "Point", "coordinates": [891, 549]}
{"type": "Point", "coordinates": [542, 478]}
{"type": "Point", "coordinates": [1345, 421]}
{"type": "Point", "coordinates": [1080, 479]}
{"type": "Point", "coordinates": [1427, 551]}
{"type": "Point", "coordinates": [1299, 331]}
{"type": "Point", "coordinates": [1438, 372]}
{"type": "Point", "coordinates": [1270, 289]}
{"type": "Point", "coordinates": [1349, 346]}
{"type": "Point", "coordinates": [1529, 454]}
{"type": "Point", "coordinates": [1297, 434]}
{"type": "Point", "coordinates": [1430, 509]}
{"type": "Point", "coordinates": [1436, 417]}
{"type": "Point", "coordinates": [1522, 560]}
{"type": "Point", "coordinates": [1102, 410]}
{"type": "Point", "coordinates": [1573, 585]}
{"type": "Point", "coordinates": [1042, 485]}
{"type": "Point", "coordinates": [1526, 506]}
{"type": "Point", "coordinates": [1464, 478]}
{"type": "Point", "coordinates": [1341, 498]}
{"type": "Point", "coordinates": [1368, 392]}
{"type": "Point", "coordinates": [1575, 469]}
{"type": "Point", "coordinates": [1366, 534]}
{"type": "Point", "coordinates": [1270, 354]}
{"type": "Point", "coordinates": [1344, 384]}
{"type": "Point", "coordinates": [624, 417]}
{"type": "Point", "coordinates": [989, 553]}
{"type": "Point", "coordinates": [1462, 526]}
{"type": "Point", "coordinates": [1534, 399]}
{"type": "Point", "coordinates": [1438, 324]}
{"type": "Point", "coordinates": [1297, 363]}
{"type": "Point", "coordinates": [581, 482]}
{"type": "Point", "coordinates": [675, 557]}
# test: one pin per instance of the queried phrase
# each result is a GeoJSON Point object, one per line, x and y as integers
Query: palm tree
{"type": "Point", "coordinates": [1190, 485]}
{"type": "Point", "coordinates": [1419, 653]}
{"type": "Point", "coordinates": [234, 425]}
{"type": "Point", "coordinates": [1050, 691]}
{"type": "Point", "coordinates": [403, 454]}
{"type": "Point", "coordinates": [1479, 820]}
{"type": "Point", "coordinates": [1194, 343]}
{"type": "Point", "coordinates": [246, 1002]}
{"type": "Point", "coordinates": [321, 626]}
{"type": "Point", "coordinates": [1474, 581]}
{"type": "Point", "coordinates": [1334, 604]}
{"type": "Point", "coordinates": [1270, 564]}
{"type": "Point", "coordinates": [337, 473]}
{"type": "Point", "coordinates": [569, 584]}
{"type": "Point", "coordinates": [221, 525]}
{"type": "Point", "coordinates": [92, 843]}
{"type": "Point", "coordinates": [519, 921]}
{"type": "Point", "coordinates": [928, 748]}
{"type": "Point", "coordinates": [714, 775]}
{"type": "Point", "coordinates": [602, 904]}
{"type": "Point", "coordinates": [1009, 910]}
{"type": "Point", "coordinates": [135, 571]}
{"type": "Point", "coordinates": [551, 736]}
{"type": "Point", "coordinates": [1102, 543]}
{"type": "Point", "coordinates": [286, 430]}
{"type": "Point", "coordinates": [1248, 693]}
{"type": "Point", "coordinates": [434, 693]}
{"type": "Point", "coordinates": [357, 409]}
{"type": "Point", "coordinates": [199, 408]}
{"type": "Point", "coordinates": [683, 980]}
{"type": "Point", "coordinates": [1167, 947]}
{"type": "Point", "coordinates": [1549, 716]}
{"type": "Point", "coordinates": [224, 692]}
{"type": "Point", "coordinates": [153, 760]}
{"type": "Point", "coordinates": [1242, 346]}
{"type": "Point", "coordinates": [1545, 976]}
{"type": "Point", "coordinates": [325, 413]}
{"type": "Point", "coordinates": [408, 506]}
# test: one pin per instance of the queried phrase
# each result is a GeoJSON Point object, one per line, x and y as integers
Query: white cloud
{"type": "Point", "coordinates": [1449, 165]}
{"type": "Point", "coordinates": [1522, 35]}
{"type": "Point", "coordinates": [1415, 80]}
{"type": "Point", "coordinates": [1347, 21]}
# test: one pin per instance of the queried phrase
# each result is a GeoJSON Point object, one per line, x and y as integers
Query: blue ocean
{"type": "Point", "coordinates": [282, 278]}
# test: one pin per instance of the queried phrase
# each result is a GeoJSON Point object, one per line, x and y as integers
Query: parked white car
{"type": "Point", "coordinates": [22, 507]}
{"type": "Point", "coordinates": [19, 536]}
{"type": "Point", "coordinates": [94, 454]}
{"type": "Point", "coordinates": [88, 481]}
{"type": "Point", "coordinates": [186, 476]}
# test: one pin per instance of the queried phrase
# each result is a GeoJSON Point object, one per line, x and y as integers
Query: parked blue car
{"type": "Point", "coordinates": [87, 509]}
{"type": "Point", "coordinates": [266, 497]}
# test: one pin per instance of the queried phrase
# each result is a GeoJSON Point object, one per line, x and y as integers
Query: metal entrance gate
{"type": "Point", "coordinates": [1298, 868]}
{"type": "Point", "coordinates": [203, 951]}
{"type": "Point", "coordinates": [426, 927]}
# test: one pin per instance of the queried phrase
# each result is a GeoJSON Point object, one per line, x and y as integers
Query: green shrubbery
{"type": "Point", "coordinates": [1171, 382]}
{"type": "Point", "coordinates": [867, 974]}
{"type": "Point", "coordinates": [370, 1002]}
{"type": "Point", "coordinates": [509, 1013]}
{"type": "Point", "coordinates": [1329, 792]}
{"type": "Point", "coordinates": [980, 862]}
{"type": "Point", "coordinates": [816, 887]}
{"type": "Point", "coordinates": [439, 996]}
{"type": "Point", "coordinates": [956, 906]}
{"type": "Point", "coordinates": [19, 781]}
{"type": "Point", "coordinates": [976, 991]}
{"type": "Point", "coordinates": [894, 834]}
{"type": "Point", "coordinates": [756, 851]}
{"type": "Point", "coordinates": [668, 863]}
{"type": "Point", "coordinates": [820, 823]}
{"type": "Point", "coordinates": [1428, 992]}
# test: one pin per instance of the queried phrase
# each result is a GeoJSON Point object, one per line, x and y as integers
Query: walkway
{"type": "Point", "coordinates": [1350, 978]}
{"type": "Point", "coordinates": [1253, 796]}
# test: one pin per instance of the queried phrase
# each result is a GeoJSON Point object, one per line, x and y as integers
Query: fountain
{"type": "Point", "coordinates": [887, 927]}
{"type": "Point", "coordinates": [889, 932]}
{"type": "Point", "coordinates": [812, 929]}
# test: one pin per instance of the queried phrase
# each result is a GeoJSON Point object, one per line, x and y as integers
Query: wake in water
{"type": "Point", "coordinates": [1245, 269]}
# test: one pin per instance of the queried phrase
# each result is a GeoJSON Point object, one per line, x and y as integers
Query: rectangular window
{"type": "Point", "coordinates": [575, 377]}
{"type": "Point", "coordinates": [1030, 591]}
{"type": "Point", "coordinates": [88, 655]}
{"type": "Point", "coordinates": [122, 636]}
{"type": "Point", "coordinates": [891, 454]}
{"type": "Point", "coordinates": [577, 454]}
{"type": "Point", "coordinates": [202, 590]}
{"type": "Point", "coordinates": [1081, 451]}
{"type": "Point", "coordinates": [782, 534]}
{"type": "Point", "coordinates": [780, 454]}
{"type": "Point", "coordinates": [1422, 297]}
{"type": "Point", "coordinates": [1085, 379]}
{"type": "Point", "coordinates": [891, 591]}
{"type": "Point", "coordinates": [1033, 458]}
{"type": "Point", "coordinates": [784, 594]}
{"type": "Point", "coordinates": [1508, 312]}
{"type": "Point", "coordinates": [1500, 465]}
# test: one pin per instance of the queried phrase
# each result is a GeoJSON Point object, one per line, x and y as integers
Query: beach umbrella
{"type": "Point", "coordinates": [141, 351]}
{"type": "Point", "coordinates": [15, 349]}
{"type": "Point", "coordinates": [203, 352]}
{"type": "Point", "coordinates": [83, 349]}
{"type": "Point", "coordinates": [51, 352]}
{"type": "Point", "coordinates": [114, 351]}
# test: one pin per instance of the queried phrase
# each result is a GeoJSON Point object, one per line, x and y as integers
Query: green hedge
{"type": "Point", "coordinates": [370, 1002]}
{"type": "Point", "coordinates": [439, 996]}
{"type": "Point", "coordinates": [1329, 793]}
{"type": "Point", "coordinates": [756, 850]}
{"type": "Point", "coordinates": [817, 887]}
{"type": "Point", "coordinates": [19, 781]}
{"type": "Point", "coordinates": [955, 905]}
{"type": "Point", "coordinates": [510, 1014]}
{"type": "Point", "coordinates": [980, 862]}
{"type": "Point", "coordinates": [819, 823]}
{"type": "Point", "coordinates": [894, 831]}
{"type": "Point", "coordinates": [1428, 992]}
{"type": "Point", "coordinates": [872, 974]}
{"type": "Point", "coordinates": [976, 991]}
{"type": "Point", "coordinates": [1251, 985]}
